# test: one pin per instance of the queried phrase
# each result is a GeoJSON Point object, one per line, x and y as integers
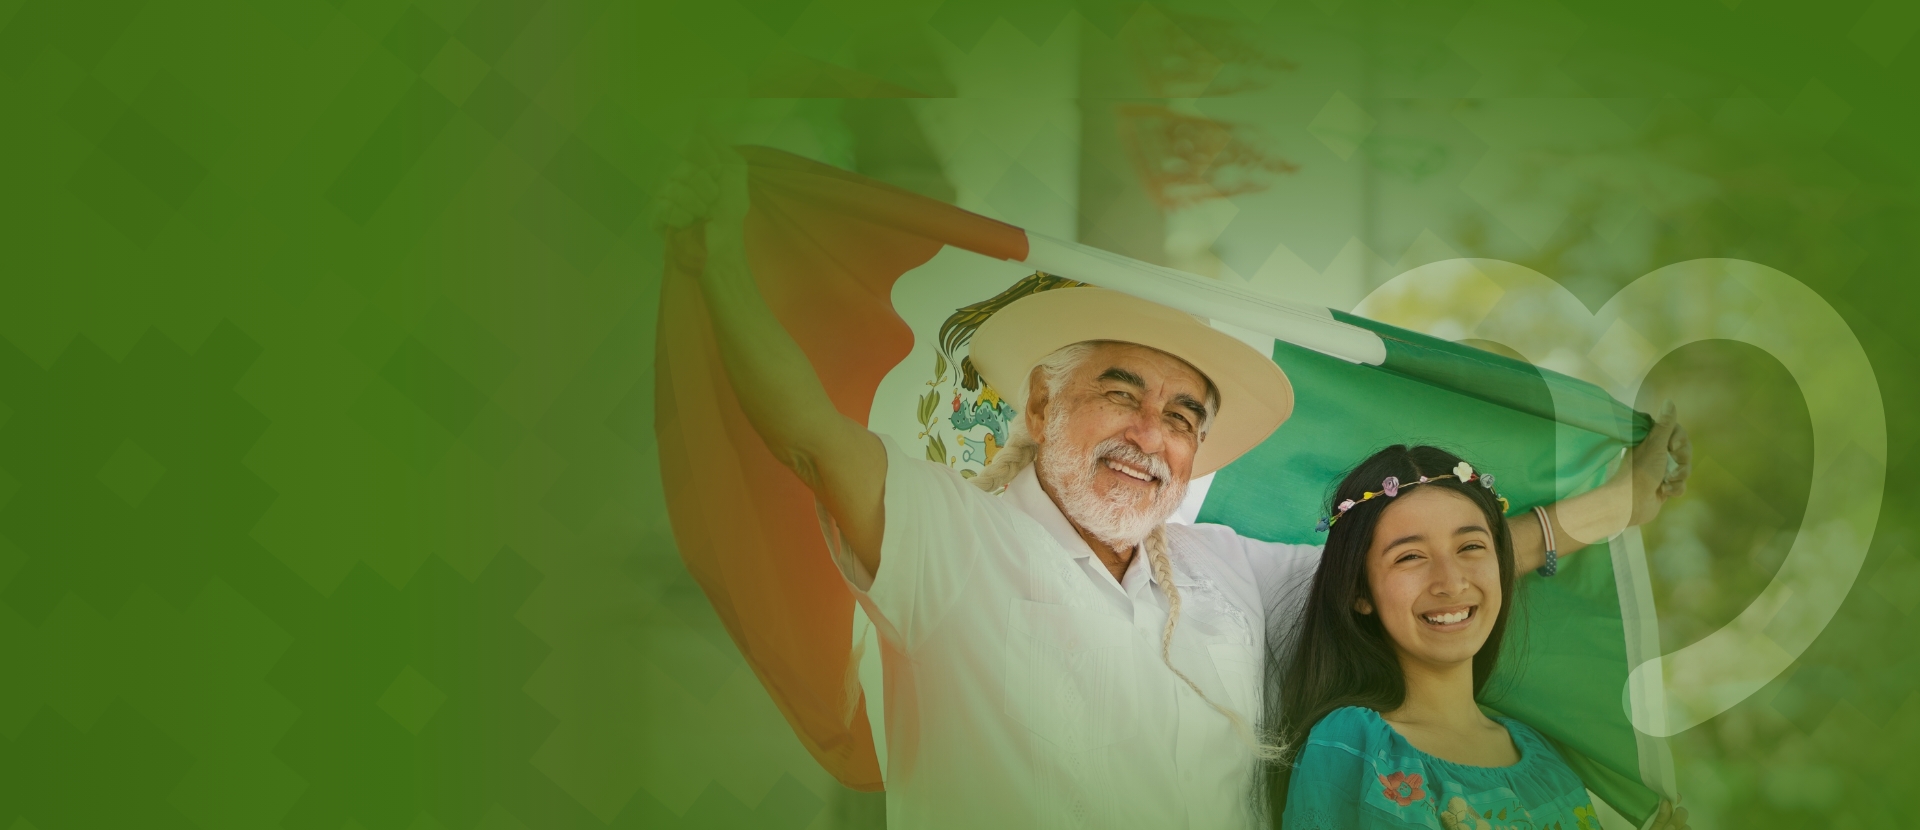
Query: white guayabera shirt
{"type": "Point", "coordinates": [1038, 697]}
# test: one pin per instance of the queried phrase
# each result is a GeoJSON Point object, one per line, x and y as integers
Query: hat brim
{"type": "Point", "coordinates": [1255, 395]}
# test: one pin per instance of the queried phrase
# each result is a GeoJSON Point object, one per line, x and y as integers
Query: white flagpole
{"type": "Point", "coordinates": [1306, 326]}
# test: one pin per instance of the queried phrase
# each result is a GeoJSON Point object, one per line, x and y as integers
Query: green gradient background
{"type": "Point", "coordinates": [328, 496]}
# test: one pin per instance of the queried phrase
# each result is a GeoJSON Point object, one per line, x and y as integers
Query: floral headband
{"type": "Point", "coordinates": [1390, 487]}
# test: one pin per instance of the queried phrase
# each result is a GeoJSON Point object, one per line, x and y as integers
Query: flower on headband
{"type": "Point", "coordinates": [1486, 480]}
{"type": "Point", "coordinates": [1346, 505]}
{"type": "Point", "coordinates": [1323, 525]}
{"type": "Point", "coordinates": [1391, 486]}
{"type": "Point", "coordinates": [1463, 471]}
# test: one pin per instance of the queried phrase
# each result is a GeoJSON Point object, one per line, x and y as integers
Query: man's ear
{"type": "Point", "coordinates": [1035, 412]}
{"type": "Point", "coordinates": [1363, 605]}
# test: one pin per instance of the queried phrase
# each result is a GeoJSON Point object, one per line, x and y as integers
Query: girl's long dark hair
{"type": "Point", "coordinates": [1336, 656]}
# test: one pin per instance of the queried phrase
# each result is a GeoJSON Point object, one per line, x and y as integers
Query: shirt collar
{"type": "Point", "coordinates": [1031, 499]}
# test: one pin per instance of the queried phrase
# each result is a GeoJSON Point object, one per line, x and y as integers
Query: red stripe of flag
{"type": "Point", "coordinates": [825, 246]}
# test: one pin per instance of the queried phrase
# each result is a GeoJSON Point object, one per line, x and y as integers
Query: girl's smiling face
{"type": "Point", "coordinates": [1433, 576]}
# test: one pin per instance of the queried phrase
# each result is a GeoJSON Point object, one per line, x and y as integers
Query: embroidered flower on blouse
{"type": "Point", "coordinates": [1460, 816]}
{"type": "Point", "coordinates": [1584, 814]}
{"type": "Point", "coordinates": [1401, 788]}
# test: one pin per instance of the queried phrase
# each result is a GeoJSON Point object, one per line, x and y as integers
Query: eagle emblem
{"type": "Point", "coordinates": [966, 430]}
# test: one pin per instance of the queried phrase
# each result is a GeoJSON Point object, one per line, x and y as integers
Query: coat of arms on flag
{"type": "Point", "coordinates": [978, 418]}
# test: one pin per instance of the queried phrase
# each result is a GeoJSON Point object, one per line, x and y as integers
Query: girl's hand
{"type": "Point", "coordinates": [1669, 817]}
{"type": "Point", "coordinates": [1637, 491]}
{"type": "Point", "coordinates": [1650, 477]}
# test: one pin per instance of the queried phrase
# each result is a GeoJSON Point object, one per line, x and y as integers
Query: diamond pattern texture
{"type": "Point", "coordinates": [327, 490]}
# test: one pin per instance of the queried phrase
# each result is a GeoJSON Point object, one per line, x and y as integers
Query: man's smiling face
{"type": "Point", "coordinates": [1118, 438]}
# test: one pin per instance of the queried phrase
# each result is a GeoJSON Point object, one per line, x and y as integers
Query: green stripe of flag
{"type": "Point", "coordinates": [1501, 380]}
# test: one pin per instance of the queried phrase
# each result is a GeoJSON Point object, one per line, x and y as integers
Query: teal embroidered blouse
{"type": "Point", "coordinates": [1357, 772]}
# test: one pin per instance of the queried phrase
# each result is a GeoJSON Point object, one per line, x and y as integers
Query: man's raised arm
{"type": "Point", "coordinates": [843, 463]}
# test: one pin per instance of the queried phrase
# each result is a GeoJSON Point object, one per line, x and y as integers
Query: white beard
{"type": "Point", "coordinates": [1115, 519]}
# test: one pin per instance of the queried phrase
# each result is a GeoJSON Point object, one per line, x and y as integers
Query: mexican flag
{"type": "Point", "coordinates": [882, 289]}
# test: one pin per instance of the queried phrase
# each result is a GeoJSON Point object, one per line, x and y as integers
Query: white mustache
{"type": "Point", "coordinates": [1121, 451]}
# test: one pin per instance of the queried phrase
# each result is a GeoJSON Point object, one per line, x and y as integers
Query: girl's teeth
{"type": "Point", "coordinates": [1448, 619]}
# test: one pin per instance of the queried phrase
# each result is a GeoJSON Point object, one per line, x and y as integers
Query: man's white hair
{"type": "Point", "coordinates": [1022, 450]}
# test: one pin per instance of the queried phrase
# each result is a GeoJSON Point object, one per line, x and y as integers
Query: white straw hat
{"type": "Point", "coordinates": [1255, 395]}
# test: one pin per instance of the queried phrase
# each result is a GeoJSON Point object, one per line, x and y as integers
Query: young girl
{"type": "Point", "coordinates": [1401, 629]}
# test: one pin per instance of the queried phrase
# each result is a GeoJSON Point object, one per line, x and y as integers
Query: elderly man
{"type": "Point", "coordinates": [1075, 660]}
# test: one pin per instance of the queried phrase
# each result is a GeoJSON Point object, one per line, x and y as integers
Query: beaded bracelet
{"type": "Point", "coordinates": [1546, 529]}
